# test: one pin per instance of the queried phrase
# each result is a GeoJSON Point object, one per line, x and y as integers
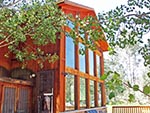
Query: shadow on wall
{"type": "Point", "coordinates": [17, 73]}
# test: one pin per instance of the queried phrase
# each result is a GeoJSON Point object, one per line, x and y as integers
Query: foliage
{"type": "Point", "coordinates": [40, 23]}
{"type": "Point", "coordinates": [25, 30]}
{"type": "Point", "coordinates": [26, 26]}
{"type": "Point", "coordinates": [128, 25]}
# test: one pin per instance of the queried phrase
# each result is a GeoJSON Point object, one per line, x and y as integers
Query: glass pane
{"type": "Point", "coordinates": [23, 104]}
{"type": "Point", "coordinates": [92, 93]}
{"type": "Point", "coordinates": [82, 33]}
{"type": "Point", "coordinates": [99, 94]}
{"type": "Point", "coordinates": [82, 93]}
{"type": "Point", "coordinates": [70, 52]}
{"type": "Point", "coordinates": [98, 65]}
{"type": "Point", "coordinates": [9, 100]}
{"type": "Point", "coordinates": [69, 92]}
{"type": "Point", "coordinates": [91, 62]}
{"type": "Point", "coordinates": [82, 58]}
{"type": "Point", "coordinates": [70, 24]}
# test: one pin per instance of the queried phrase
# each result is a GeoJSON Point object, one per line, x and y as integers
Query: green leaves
{"type": "Point", "coordinates": [104, 76]}
{"type": "Point", "coordinates": [30, 27]}
{"type": "Point", "coordinates": [135, 87]}
{"type": "Point", "coordinates": [111, 95]}
{"type": "Point", "coordinates": [113, 83]}
{"type": "Point", "coordinates": [131, 98]}
{"type": "Point", "coordinates": [125, 26]}
{"type": "Point", "coordinates": [146, 89]}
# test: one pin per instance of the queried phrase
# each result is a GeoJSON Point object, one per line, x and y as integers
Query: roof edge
{"type": "Point", "coordinates": [75, 4]}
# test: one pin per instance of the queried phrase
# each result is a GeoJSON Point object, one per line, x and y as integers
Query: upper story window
{"type": "Point", "coordinates": [98, 65]}
{"type": "Point", "coordinates": [91, 62]}
{"type": "Point", "coordinates": [70, 24]}
{"type": "Point", "coordinates": [81, 33]}
{"type": "Point", "coordinates": [89, 95]}
{"type": "Point", "coordinates": [70, 52]}
{"type": "Point", "coordinates": [82, 58]}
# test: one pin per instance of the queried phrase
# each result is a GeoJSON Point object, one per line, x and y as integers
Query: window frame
{"type": "Point", "coordinates": [79, 74]}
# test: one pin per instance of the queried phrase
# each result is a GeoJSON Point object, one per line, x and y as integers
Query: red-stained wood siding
{"type": "Point", "coordinates": [59, 66]}
{"type": "Point", "coordinates": [34, 66]}
{"type": "Point", "coordinates": [5, 62]}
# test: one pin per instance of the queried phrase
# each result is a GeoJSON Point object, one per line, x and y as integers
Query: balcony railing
{"type": "Point", "coordinates": [131, 109]}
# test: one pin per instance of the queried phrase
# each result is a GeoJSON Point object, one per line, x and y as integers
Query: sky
{"type": "Point", "coordinates": [104, 5]}
{"type": "Point", "coordinates": [101, 5]}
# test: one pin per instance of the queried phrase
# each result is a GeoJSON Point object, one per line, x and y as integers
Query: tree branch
{"type": "Point", "coordinates": [7, 44]}
{"type": "Point", "coordinates": [138, 89]}
{"type": "Point", "coordinates": [11, 4]}
{"type": "Point", "coordinates": [138, 15]}
{"type": "Point", "coordinates": [5, 40]}
{"type": "Point", "coordinates": [128, 15]}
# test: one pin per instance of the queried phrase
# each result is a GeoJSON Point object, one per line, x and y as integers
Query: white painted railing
{"type": "Point", "coordinates": [131, 109]}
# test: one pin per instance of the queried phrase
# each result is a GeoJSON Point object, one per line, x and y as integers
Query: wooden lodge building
{"type": "Point", "coordinates": [71, 84]}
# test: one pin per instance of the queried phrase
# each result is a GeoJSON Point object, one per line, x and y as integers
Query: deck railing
{"type": "Point", "coordinates": [131, 109]}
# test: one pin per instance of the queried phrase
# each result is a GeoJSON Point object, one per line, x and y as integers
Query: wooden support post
{"type": "Point", "coordinates": [95, 82]}
{"type": "Point", "coordinates": [96, 94]}
{"type": "Point", "coordinates": [61, 73]}
{"type": "Point", "coordinates": [1, 89]}
{"type": "Point", "coordinates": [59, 78]}
{"type": "Point", "coordinates": [103, 95]}
{"type": "Point", "coordinates": [77, 79]}
{"type": "Point", "coordinates": [87, 82]}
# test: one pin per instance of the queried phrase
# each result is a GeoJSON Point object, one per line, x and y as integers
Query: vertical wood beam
{"type": "Point", "coordinates": [77, 79]}
{"type": "Point", "coordinates": [30, 99]}
{"type": "Point", "coordinates": [61, 73]}
{"type": "Point", "coordinates": [1, 88]}
{"type": "Point", "coordinates": [87, 82]}
{"type": "Point", "coordinates": [103, 95]}
{"type": "Point", "coordinates": [17, 97]}
{"type": "Point", "coordinates": [95, 82]}
{"type": "Point", "coordinates": [59, 78]}
{"type": "Point", "coordinates": [96, 93]}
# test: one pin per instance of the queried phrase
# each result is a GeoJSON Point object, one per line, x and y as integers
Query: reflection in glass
{"type": "Point", "coordinates": [70, 52]}
{"type": "Point", "coordinates": [70, 24]}
{"type": "Point", "coordinates": [81, 33]}
{"type": "Point", "coordinates": [82, 93]}
{"type": "Point", "coordinates": [69, 92]}
{"type": "Point", "coordinates": [91, 62]}
{"type": "Point", "coordinates": [82, 58]}
{"type": "Point", "coordinates": [91, 93]}
{"type": "Point", "coordinates": [98, 65]}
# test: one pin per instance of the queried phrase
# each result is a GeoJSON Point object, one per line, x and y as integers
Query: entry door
{"type": "Point", "coordinates": [45, 91]}
{"type": "Point", "coordinates": [16, 100]}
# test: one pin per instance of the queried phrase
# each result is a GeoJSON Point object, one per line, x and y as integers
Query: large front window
{"type": "Point", "coordinates": [82, 57]}
{"type": "Point", "coordinates": [82, 93]}
{"type": "Point", "coordinates": [98, 65]}
{"type": "Point", "coordinates": [91, 93]}
{"type": "Point", "coordinates": [91, 62]}
{"type": "Point", "coordinates": [70, 52]}
{"type": "Point", "coordinates": [83, 73]}
{"type": "Point", "coordinates": [69, 92]}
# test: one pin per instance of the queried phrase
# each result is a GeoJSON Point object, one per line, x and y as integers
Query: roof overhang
{"type": "Point", "coordinates": [75, 7]}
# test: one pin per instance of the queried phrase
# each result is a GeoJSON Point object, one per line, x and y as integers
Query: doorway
{"type": "Point", "coordinates": [15, 98]}
{"type": "Point", "coordinates": [45, 86]}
